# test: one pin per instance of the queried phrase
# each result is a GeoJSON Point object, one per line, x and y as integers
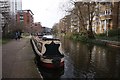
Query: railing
{"type": "Point", "coordinates": [103, 17]}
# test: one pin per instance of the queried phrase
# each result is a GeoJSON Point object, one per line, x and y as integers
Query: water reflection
{"type": "Point", "coordinates": [90, 61]}
{"type": "Point", "coordinates": [51, 74]}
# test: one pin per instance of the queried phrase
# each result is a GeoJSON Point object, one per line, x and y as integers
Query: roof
{"type": "Point", "coordinates": [26, 10]}
{"type": "Point", "coordinates": [49, 37]}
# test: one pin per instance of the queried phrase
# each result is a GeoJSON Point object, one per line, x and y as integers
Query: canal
{"type": "Point", "coordinates": [87, 61]}
{"type": "Point", "coordinates": [90, 61]}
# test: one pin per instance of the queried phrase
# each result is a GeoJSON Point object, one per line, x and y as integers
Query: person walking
{"type": "Point", "coordinates": [19, 35]}
{"type": "Point", "coordinates": [16, 35]}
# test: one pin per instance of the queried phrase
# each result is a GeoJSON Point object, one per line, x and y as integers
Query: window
{"type": "Point", "coordinates": [21, 18]}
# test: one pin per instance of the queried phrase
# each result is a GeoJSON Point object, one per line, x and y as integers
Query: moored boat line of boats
{"type": "Point", "coordinates": [48, 51]}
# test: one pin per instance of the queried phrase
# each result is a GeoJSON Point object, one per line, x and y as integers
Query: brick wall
{"type": "Point", "coordinates": [26, 18]}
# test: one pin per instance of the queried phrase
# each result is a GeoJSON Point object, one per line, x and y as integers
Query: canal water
{"type": "Point", "coordinates": [87, 61]}
{"type": "Point", "coordinates": [90, 61]}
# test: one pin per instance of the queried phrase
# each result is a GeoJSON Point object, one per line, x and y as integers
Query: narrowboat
{"type": "Point", "coordinates": [48, 51]}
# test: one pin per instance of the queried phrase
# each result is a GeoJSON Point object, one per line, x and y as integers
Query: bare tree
{"type": "Point", "coordinates": [55, 28]}
{"type": "Point", "coordinates": [85, 12]}
{"type": "Point", "coordinates": [9, 24]}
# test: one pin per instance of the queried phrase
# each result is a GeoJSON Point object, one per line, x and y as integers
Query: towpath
{"type": "Point", "coordinates": [18, 60]}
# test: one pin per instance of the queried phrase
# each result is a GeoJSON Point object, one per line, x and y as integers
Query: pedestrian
{"type": "Point", "coordinates": [16, 35]}
{"type": "Point", "coordinates": [19, 36]}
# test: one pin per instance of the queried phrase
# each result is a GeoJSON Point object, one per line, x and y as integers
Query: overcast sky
{"type": "Point", "coordinates": [47, 12]}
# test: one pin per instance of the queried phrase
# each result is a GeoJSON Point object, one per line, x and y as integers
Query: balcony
{"type": "Point", "coordinates": [104, 17]}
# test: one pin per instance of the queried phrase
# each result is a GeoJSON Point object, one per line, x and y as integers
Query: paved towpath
{"type": "Point", "coordinates": [18, 60]}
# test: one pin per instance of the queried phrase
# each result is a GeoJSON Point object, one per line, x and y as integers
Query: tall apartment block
{"type": "Point", "coordinates": [4, 13]}
{"type": "Point", "coordinates": [15, 5]}
{"type": "Point", "coordinates": [8, 9]}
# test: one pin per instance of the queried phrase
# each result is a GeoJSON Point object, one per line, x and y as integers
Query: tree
{"type": "Point", "coordinates": [55, 28]}
{"type": "Point", "coordinates": [9, 24]}
{"type": "Point", "coordinates": [85, 12]}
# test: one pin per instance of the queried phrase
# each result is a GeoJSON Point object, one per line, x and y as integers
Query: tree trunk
{"type": "Point", "coordinates": [90, 33]}
{"type": "Point", "coordinates": [90, 16]}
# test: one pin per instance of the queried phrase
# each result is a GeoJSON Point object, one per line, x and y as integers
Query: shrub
{"type": "Point", "coordinates": [114, 32]}
{"type": "Point", "coordinates": [111, 33]}
{"type": "Point", "coordinates": [9, 35]}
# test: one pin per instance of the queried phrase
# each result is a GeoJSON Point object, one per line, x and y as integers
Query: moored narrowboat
{"type": "Point", "coordinates": [48, 51]}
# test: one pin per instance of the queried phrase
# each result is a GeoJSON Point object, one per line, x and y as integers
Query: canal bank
{"type": "Point", "coordinates": [110, 40]}
{"type": "Point", "coordinates": [96, 41]}
{"type": "Point", "coordinates": [107, 43]}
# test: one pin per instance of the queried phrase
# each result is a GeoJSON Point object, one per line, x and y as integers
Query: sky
{"type": "Point", "coordinates": [48, 12]}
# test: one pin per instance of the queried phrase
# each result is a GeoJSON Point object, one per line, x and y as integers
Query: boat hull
{"type": "Point", "coordinates": [49, 63]}
{"type": "Point", "coordinates": [52, 65]}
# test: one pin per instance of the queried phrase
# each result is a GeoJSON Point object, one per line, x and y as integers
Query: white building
{"type": "Point", "coordinates": [0, 25]}
{"type": "Point", "coordinates": [104, 22]}
{"type": "Point", "coordinates": [15, 5]}
{"type": "Point", "coordinates": [4, 11]}
{"type": "Point", "coordinates": [74, 23]}
{"type": "Point", "coordinates": [9, 8]}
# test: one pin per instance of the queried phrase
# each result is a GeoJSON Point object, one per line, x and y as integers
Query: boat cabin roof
{"type": "Point", "coordinates": [49, 37]}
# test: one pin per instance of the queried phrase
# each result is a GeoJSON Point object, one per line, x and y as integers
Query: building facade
{"type": "Point", "coordinates": [4, 11]}
{"type": "Point", "coordinates": [74, 23]}
{"type": "Point", "coordinates": [4, 15]}
{"type": "Point", "coordinates": [109, 17]}
{"type": "Point", "coordinates": [103, 22]}
{"type": "Point", "coordinates": [116, 14]}
{"type": "Point", "coordinates": [37, 27]}
{"type": "Point", "coordinates": [8, 9]}
{"type": "Point", "coordinates": [25, 19]}
{"type": "Point", "coordinates": [15, 5]}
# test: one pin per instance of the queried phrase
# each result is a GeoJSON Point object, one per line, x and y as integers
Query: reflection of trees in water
{"type": "Point", "coordinates": [90, 72]}
{"type": "Point", "coordinates": [65, 45]}
{"type": "Point", "coordinates": [90, 61]}
{"type": "Point", "coordinates": [113, 62]}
